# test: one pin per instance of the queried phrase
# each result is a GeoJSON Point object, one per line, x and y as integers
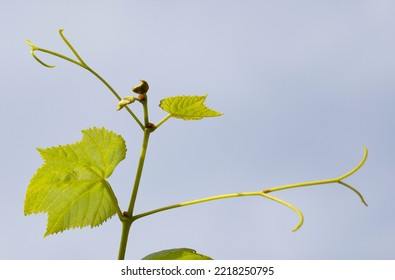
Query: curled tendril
{"type": "Point", "coordinates": [289, 205]}
{"type": "Point", "coordinates": [35, 48]}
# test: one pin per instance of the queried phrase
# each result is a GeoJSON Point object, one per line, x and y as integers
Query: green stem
{"type": "Point", "coordinates": [145, 109]}
{"type": "Point", "coordinates": [128, 217]}
{"type": "Point", "coordinates": [139, 171]}
{"type": "Point", "coordinates": [126, 225]}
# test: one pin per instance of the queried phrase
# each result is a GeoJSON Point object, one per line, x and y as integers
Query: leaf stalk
{"type": "Point", "coordinates": [162, 121]}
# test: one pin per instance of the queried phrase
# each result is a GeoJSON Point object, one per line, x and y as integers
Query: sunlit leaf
{"type": "Point", "coordinates": [188, 107]}
{"type": "Point", "coordinates": [177, 254]}
{"type": "Point", "coordinates": [70, 186]}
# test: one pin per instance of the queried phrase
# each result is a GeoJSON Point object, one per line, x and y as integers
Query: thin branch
{"type": "Point", "coordinates": [224, 196]}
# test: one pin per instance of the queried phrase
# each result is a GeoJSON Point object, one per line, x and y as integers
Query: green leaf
{"type": "Point", "coordinates": [70, 186]}
{"type": "Point", "coordinates": [188, 107]}
{"type": "Point", "coordinates": [176, 254]}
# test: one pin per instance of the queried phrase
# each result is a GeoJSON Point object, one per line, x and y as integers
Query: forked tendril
{"type": "Point", "coordinates": [328, 181]}
{"type": "Point", "coordinates": [80, 62]}
{"type": "Point", "coordinates": [33, 49]}
{"type": "Point", "coordinates": [265, 194]}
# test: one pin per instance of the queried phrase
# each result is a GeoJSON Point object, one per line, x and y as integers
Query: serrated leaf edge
{"type": "Point", "coordinates": [201, 102]}
{"type": "Point", "coordinates": [40, 150]}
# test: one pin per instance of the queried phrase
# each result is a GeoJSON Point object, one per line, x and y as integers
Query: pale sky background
{"type": "Point", "coordinates": [303, 85]}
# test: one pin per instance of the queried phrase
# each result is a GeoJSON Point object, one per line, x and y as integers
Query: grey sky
{"type": "Point", "coordinates": [303, 85]}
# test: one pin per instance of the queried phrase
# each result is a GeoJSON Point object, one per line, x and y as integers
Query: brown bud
{"type": "Point", "coordinates": [150, 125]}
{"type": "Point", "coordinates": [141, 97]}
{"type": "Point", "coordinates": [142, 88]}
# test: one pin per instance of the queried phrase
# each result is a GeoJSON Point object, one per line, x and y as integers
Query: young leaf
{"type": "Point", "coordinates": [176, 254]}
{"type": "Point", "coordinates": [188, 107]}
{"type": "Point", "coordinates": [70, 186]}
